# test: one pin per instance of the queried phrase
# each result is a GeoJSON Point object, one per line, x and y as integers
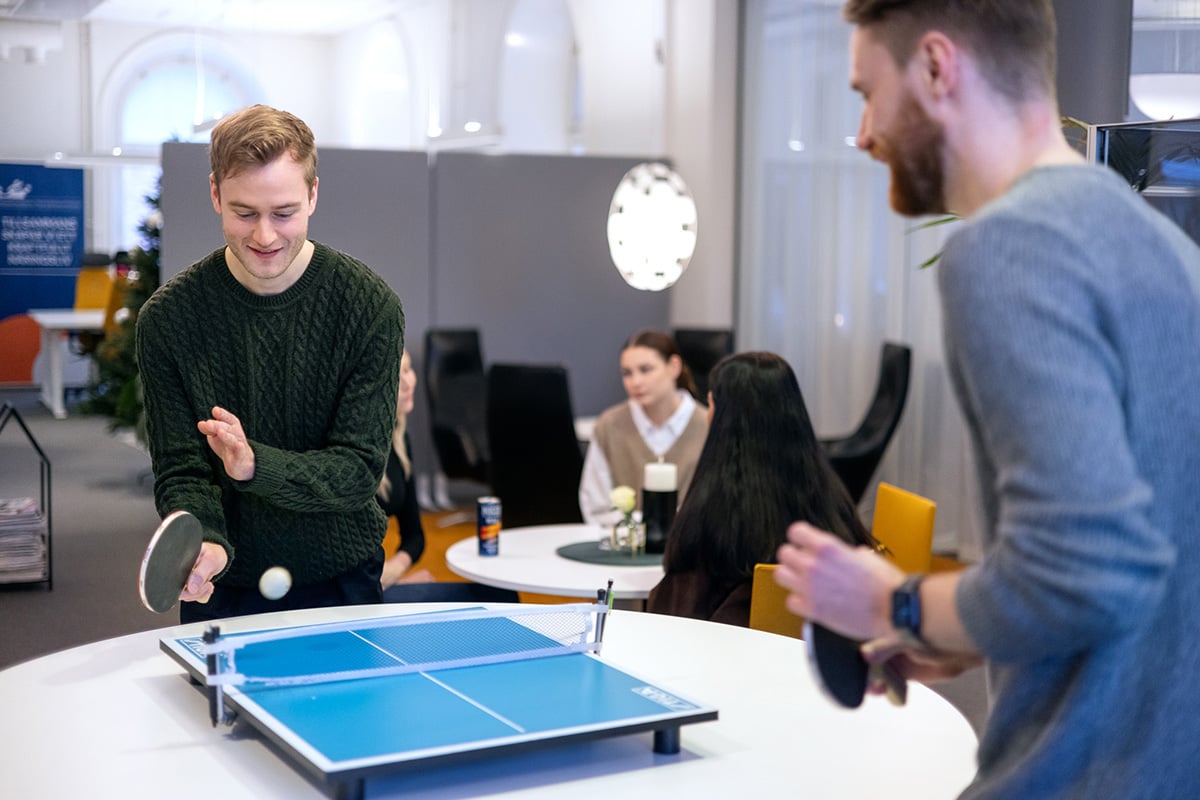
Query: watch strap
{"type": "Point", "coordinates": [906, 611]}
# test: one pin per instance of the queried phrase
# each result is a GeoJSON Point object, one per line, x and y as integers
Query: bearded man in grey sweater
{"type": "Point", "coordinates": [1072, 339]}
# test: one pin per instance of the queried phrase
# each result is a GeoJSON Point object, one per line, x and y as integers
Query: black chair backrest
{"type": "Point", "coordinates": [856, 457]}
{"type": "Point", "coordinates": [891, 393]}
{"type": "Point", "coordinates": [701, 349]}
{"type": "Point", "coordinates": [450, 353]}
{"type": "Point", "coordinates": [456, 388]}
{"type": "Point", "coordinates": [536, 459]}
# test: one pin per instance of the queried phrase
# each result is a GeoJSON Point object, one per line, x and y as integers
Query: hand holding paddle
{"type": "Point", "coordinates": [178, 564]}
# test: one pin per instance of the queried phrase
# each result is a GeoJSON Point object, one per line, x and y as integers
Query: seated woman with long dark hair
{"type": "Point", "coordinates": [761, 469]}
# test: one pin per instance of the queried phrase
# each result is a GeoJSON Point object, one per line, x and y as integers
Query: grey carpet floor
{"type": "Point", "coordinates": [102, 509]}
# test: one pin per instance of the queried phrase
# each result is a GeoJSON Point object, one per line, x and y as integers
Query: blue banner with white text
{"type": "Point", "coordinates": [41, 236]}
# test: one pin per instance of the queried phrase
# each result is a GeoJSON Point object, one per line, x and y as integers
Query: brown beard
{"type": "Point", "coordinates": [918, 179]}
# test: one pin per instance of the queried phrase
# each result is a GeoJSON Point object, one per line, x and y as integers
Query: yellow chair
{"type": "Point", "coordinates": [903, 524]}
{"type": "Point", "coordinates": [93, 288]}
{"type": "Point", "coordinates": [87, 342]}
{"type": "Point", "coordinates": [767, 611]}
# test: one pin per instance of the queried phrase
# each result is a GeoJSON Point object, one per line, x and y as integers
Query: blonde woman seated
{"type": "Point", "coordinates": [405, 539]}
{"type": "Point", "coordinates": [661, 420]}
{"type": "Point", "coordinates": [761, 469]}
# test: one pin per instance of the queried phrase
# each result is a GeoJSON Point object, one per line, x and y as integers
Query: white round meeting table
{"type": "Point", "coordinates": [529, 561]}
{"type": "Point", "coordinates": [119, 719]}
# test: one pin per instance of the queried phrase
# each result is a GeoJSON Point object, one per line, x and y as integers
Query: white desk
{"type": "Point", "coordinates": [528, 563]}
{"type": "Point", "coordinates": [117, 719]}
{"type": "Point", "coordinates": [55, 321]}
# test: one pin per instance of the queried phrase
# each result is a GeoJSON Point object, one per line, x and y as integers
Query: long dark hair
{"type": "Point", "coordinates": [664, 344]}
{"type": "Point", "coordinates": [761, 469]}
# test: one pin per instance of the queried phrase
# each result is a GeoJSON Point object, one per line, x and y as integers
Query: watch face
{"type": "Point", "coordinates": [651, 227]}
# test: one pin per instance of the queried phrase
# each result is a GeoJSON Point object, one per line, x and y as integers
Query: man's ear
{"type": "Point", "coordinates": [215, 192]}
{"type": "Point", "coordinates": [312, 197]}
{"type": "Point", "coordinates": [937, 57]}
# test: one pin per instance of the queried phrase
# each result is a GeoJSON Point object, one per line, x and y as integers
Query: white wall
{"type": "Point", "coordinates": [654, 76]}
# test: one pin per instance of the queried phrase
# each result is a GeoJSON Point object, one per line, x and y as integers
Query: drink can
{"type": "Point", "coordinates": [487, 519]}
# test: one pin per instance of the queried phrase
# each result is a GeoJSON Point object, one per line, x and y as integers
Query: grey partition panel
{"type": "Point", "coordinates": [191, 228]}
{"type": "Point", "coordinates": [521, 252]}
{"type": "Point", "coordinates": [371, 204]}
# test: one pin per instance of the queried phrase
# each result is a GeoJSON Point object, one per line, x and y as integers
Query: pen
{"type": "Point", "coordinates": [600, 598]}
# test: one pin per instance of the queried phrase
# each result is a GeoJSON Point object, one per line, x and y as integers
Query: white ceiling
{"type": "Point", "coordinates": [321, 17]}
{"type": "Point", "coordinates": [318, 17]}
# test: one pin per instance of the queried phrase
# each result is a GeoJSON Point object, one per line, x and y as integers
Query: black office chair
{"type": "Point", "coordinates": [536, 460]}
{"type": "Point", "coordinates": [456, 388]}
{"type": "Point", "coordinates": [856, 457]}
{"type": "Point", "coordinates": [701, 349]}
{"type": "Point", "coordinates": [448, 592]}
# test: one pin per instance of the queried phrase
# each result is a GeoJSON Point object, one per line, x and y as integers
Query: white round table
{"type": "Point", "coordinates": [118, 719]}
{"type": "Point", "coordinates": [528, 562]}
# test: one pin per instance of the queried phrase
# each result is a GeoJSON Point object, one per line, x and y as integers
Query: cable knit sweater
{"type": "Point", "coordinates": [312, 374]}
{"type": "Point", "coordinates": [1072, 333]}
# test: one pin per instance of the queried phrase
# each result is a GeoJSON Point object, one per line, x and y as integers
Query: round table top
{"type": "Point", "coordinates": [119, 719]}
{"type": "Point", "coordinates": [528, 562]}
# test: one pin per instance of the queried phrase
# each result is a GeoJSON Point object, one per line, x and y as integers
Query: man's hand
{"type": "Point", "coordinates": [847, 589]}
{"type": "Point", "coordinates": [211, 561]}
{"type": "Point", "coordinates": [915, 664]}
{"type": "Point", "coordinates": [228, 441]}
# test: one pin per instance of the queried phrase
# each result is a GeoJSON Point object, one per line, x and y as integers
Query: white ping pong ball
{"type": "Point", "coordinates": [275, 583]}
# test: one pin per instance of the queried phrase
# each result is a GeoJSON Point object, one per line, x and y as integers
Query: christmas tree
{"type": "Point", "coordinates": [116, 391]}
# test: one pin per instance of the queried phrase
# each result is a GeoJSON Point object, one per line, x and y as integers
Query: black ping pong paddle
{"type": "Point", "coordinates": [842, 672]}
{"type": "Point", "coordinates": [838, 664]}
{"type": "Point", "coordinates": [168, 560]}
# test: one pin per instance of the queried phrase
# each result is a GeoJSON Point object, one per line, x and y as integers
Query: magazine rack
{"type": "Point", "coordinates": [8, 412]}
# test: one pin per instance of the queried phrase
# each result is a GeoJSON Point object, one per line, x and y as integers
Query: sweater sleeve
{"type": "Point", "coordinates": [1073, 558]}
{"type": "Point", "coordinates": [345, 473]}
{"type": "Point", "coordinates": [408, 512]}
{"type": "Point", "coordinates": [184, 471]}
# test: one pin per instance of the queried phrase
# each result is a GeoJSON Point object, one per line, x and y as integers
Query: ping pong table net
{"type": "Point", "coordinates": [372, 648]}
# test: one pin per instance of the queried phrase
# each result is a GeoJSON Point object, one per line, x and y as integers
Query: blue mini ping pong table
{"type": "Point", "coordinates": [345, 731]}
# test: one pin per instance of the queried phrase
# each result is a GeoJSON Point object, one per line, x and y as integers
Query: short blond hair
{"type": "Point", "coordinates": [257, 135]}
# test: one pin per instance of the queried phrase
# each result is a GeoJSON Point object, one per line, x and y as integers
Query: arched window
{"type": "Point", "coordinates": [170, 88]}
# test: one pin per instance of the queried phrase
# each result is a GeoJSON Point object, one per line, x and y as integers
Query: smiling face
{"type": "Point", "coordinates": [896, 130]}
{"type": "Point", "coordinates": [406, 394]}
{"type": "Point", "coordinates": [264, 216]}
{"type": "Point", "coordinates": [648, 377]}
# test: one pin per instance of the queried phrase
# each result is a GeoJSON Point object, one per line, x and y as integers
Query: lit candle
{"type": "Point", "coordinates": [660, 477]}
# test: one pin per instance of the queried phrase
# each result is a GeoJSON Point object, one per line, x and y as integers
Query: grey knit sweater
{"type": "Point", "coordinates": [1072, 333]}
{"type": "Point", "coordinates": [311, 373]}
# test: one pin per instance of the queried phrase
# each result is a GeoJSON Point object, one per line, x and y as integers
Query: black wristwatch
{"type": "Point", "coordinates": [906, 611]}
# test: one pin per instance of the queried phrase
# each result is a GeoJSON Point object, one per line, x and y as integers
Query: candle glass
{"type": "Point", "coordinates": [658, 513]}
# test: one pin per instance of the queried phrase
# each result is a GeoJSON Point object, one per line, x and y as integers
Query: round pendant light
{"type": "Point", "coordinates": [651, 227]}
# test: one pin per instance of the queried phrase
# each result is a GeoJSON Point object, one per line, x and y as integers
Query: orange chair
{"type": "Point", "coordinates": [20, 342]}
{"type": "Point", "coordinates": [903, 524]}
{"type": "Point", "coordinates": [767, 611]}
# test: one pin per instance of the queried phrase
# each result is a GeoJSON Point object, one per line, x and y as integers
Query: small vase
{"type": "Point", "coordinates": [628, 536]}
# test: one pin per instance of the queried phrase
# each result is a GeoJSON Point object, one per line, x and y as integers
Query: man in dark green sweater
{"type": "Point", "coordinates": [270, 370]}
